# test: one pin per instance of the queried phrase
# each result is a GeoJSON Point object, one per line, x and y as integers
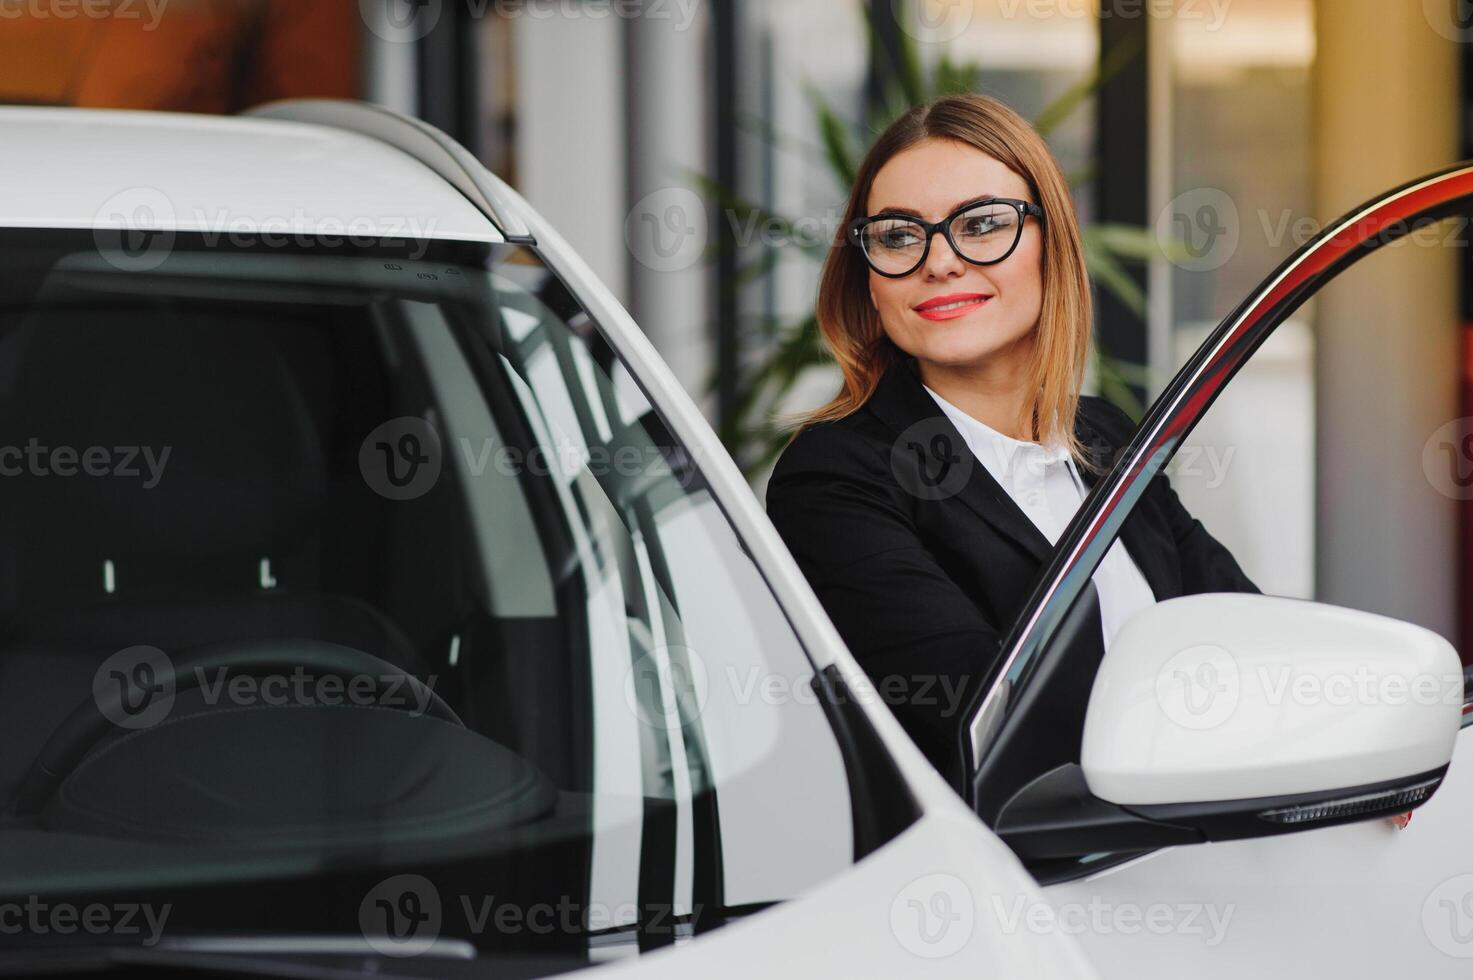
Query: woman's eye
{"type": "Point", "coordinates": [898, 239]}
{"type": "Point", "coordinates": [980, 226]}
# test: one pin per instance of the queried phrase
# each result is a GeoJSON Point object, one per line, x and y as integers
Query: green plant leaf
{"type": "Point", "coordinates": [835, 133]}
{"type": "Point", "coordinates": [1111, 276]}
{"type": "Point", "coordinates": [1109, 65]}
{"type": "Point", "coordinates": [753, 218]}
{"type": "Point", "coordinates": [904, 62]}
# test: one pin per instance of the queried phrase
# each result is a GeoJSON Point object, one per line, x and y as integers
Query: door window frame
{"type": "Point", "coordinates": [1170, 419]}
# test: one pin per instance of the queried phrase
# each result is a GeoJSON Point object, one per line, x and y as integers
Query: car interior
{"type": "Point", "coordinates": [208, 507]}
{"type": "Point", "coordinates": [227, 524]}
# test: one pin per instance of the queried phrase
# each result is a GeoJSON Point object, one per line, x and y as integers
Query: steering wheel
{"type": "Point", "coordinates": [92, 720]}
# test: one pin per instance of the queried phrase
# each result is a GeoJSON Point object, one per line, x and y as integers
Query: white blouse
{"type": "Point", "coordinates": [1046, 486]}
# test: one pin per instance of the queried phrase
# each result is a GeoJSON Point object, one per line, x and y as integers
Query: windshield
{"type": "Point", "coordinates": [358, 592]}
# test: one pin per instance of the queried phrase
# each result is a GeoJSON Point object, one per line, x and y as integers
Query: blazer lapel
{"type": "Point", "coordinates": [902, 403]}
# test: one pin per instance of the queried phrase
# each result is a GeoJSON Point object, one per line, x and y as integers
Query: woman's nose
{"type": "Point", "coordinates": [942, 259]}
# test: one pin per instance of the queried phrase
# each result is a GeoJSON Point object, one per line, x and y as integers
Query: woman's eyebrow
{"type": "Point", "coordinates": [955, 207]}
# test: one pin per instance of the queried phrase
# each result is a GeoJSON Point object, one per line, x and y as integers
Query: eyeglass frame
{"type": "Point", "coordinates": [1024, 208]}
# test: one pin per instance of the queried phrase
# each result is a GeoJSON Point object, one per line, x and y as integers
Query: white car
{"type": "Point", "coordinates": [375, 601]}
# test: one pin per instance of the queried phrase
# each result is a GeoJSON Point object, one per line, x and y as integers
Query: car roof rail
{"type": "Point", "coordinates": [428, 145]}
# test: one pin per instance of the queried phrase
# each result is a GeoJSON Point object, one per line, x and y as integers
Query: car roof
{"type": "Point", "coordinates": [104, 168]}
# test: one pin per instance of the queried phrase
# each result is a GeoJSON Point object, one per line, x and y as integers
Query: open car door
{"type": "Point", "coordinates": [1238, 799]}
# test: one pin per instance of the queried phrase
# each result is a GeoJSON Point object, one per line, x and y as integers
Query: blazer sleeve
{"type": "Point", "coordinates": [1206, 564]}
{"type": "Point", "coordinates": [922, 640]}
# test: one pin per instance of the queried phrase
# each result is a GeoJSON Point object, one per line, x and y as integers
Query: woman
{"type": "Point", "coordinates": [922, 502]}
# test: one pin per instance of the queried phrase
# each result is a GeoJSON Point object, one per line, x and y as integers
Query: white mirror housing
{"type": "Point", "coordinates": [1240, 696]}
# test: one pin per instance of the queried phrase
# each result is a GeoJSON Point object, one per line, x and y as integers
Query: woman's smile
{"type": "Point", "coordinates": [951, 306]}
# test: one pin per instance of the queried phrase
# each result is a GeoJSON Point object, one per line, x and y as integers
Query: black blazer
{"type": "Point", "coordinates": [923, 561]}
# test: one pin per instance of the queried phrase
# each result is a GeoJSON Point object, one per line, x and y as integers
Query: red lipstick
{"type": "Point", "coordinates": [951, 306]}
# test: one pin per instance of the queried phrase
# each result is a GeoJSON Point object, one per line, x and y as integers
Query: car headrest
{"type": "Point", "coordinates": [196, 423]}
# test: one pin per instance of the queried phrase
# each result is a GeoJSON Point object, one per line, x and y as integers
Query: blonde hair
{"type": "Point", "coordinates": [851, 326]}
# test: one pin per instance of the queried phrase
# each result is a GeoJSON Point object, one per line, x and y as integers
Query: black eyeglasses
{"type": "Point", "coordinates": [983, 233]}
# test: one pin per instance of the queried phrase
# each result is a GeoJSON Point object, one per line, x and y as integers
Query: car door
{"type": "Point", "coordinates": [939, 897]}
{"type": "Point", "coordinates": [1372, 898]}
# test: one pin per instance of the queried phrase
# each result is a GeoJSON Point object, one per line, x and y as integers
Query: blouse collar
{"type": "Point", "coordinates": [1002, 449]}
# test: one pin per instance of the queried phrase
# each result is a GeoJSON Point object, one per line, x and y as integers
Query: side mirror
{"type": "Point", "coordinates": [1229, 715]}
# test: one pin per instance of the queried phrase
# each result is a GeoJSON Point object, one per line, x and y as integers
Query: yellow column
{"type": "Point", "coordinates": [1387, 371]}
